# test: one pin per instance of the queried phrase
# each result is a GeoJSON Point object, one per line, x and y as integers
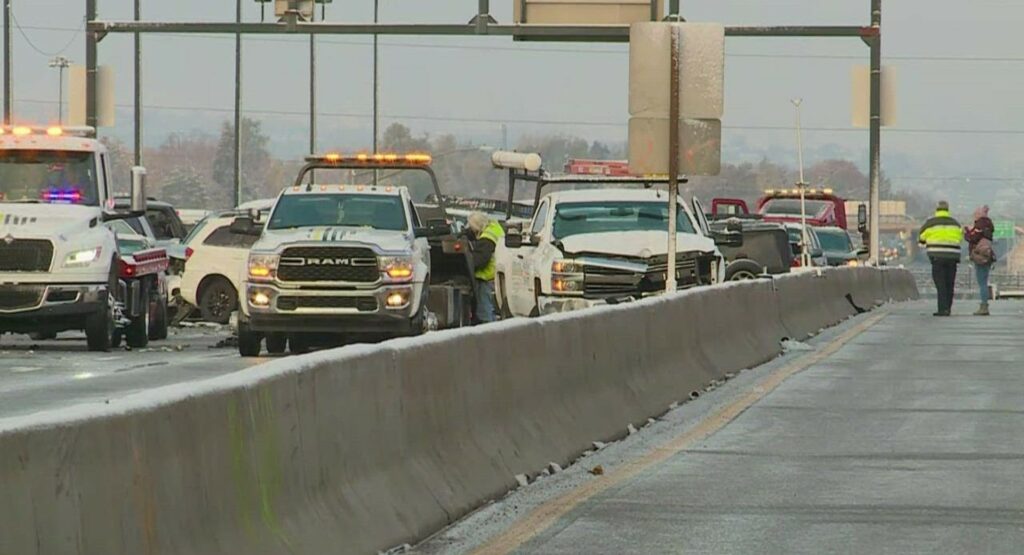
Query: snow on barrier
{"type": "Point", "coordinates": [362, 448]}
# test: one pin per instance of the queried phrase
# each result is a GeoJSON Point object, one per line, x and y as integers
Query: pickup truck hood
{"type": "Point", "coordinates": [390, 241]}
{"type": "Point", "coordinates": [55, 221]}
{"type": "Point", "coordinates": [642, 244]}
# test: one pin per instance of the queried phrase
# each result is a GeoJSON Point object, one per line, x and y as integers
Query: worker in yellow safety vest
{"type": "Point", "coordinates": [487, 233]}
{"type": "Point", "coordinates": [941, 236]}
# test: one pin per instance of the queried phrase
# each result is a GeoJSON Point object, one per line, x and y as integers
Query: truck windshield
{"type": "Point", "coordinates": [574, 218]}
{"type": "Point", "coordinates": [791, 207]}
{"type": "Point", "coordinates": [835, 241]}
{"type": "Point", "coordinates": [48, 176]}
{"type": "Point", "coordinates": [314, 210]}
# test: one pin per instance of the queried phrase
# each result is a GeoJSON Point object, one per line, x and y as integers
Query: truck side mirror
{"type": "Point", "coordinates": [862, 218]}
{"type": "Point", "coordinates": [138, 203]}
{"type": "Point", "coordinates": [436, 228]}
{"type": "Point", "coordinates": [513, 240]}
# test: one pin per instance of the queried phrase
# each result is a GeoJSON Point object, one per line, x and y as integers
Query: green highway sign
{"type": "Point", "coordinates": [1004, 229]}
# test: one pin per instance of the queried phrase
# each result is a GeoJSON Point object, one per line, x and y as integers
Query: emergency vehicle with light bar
{"type": "Point", "coordinates": [340, 261]}
{"type": "Point", "coordinates": [60, 266]}
{"type": "Point", "coordinates": [823, 207]}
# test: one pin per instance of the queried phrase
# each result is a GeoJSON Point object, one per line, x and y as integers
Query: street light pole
{"type": "Point", "coordinates": [376, 86]}
{"type": "Point", "coordinates": [805, 255]}
{"type": "Point", "coordinates": [61, 63]}
{"type": "Point", "coordinates": [8, 60]}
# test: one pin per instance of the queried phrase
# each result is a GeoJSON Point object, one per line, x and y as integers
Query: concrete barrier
{"type": "Point", "coordinates": [361, 448]}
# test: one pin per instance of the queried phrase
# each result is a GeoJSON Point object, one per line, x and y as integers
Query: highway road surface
{"type": "Point", "coordinates": [898, 433]}
{"type": "Point", "coordinates": [43, 375]}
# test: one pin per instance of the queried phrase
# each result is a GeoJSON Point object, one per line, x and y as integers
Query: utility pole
{"type": "Point", "coordinates": [61, 63]}
{"type": "Point", "coordinates": [805, 255]}
{"type": "Point", "coordinates": [138, 88]}
{"type": "Point", "coordinates": [238, 106]}
{"type": "Point", "coordinates": [91, 40]}
{"type": "Point", "coordinates": [874, 142]}
{"type": "Point", "coordinates": [8, 56]}
{"type": "Point", "coordinates": [673, 161]}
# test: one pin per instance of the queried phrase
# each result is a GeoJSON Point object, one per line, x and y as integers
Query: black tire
{"type": "Point", "coordinates": [42, 335]}
{"type": "Point", "coordinates": [218, 300]}
{"type": "Point", "coordinates": [99, 326]}
{"type": "Point", "coordinates": [136, 335]}
{"type": "Point", "coordinates": [248, 341]}
{"type": "Point", "coordinates": [299, 344]}
{"type": "Point", "coordinates": [159, 319]}
{"type": "Point", "coordinates": [277, 343]}
{"type": "Point", "coordinates": [742, 270]}
{"type": "Point", "coordinates": [505, 312]}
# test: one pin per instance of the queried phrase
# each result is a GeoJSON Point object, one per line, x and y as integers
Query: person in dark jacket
{"type": "Point", "coordinates": [941, 235]}
{"type": "Point", "coordinates": [979, 238]}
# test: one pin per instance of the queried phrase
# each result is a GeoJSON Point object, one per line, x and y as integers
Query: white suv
{"type": "Point", "coordinates": [596, 246]}
{"type": "Point", "coordinates": [215, 265]}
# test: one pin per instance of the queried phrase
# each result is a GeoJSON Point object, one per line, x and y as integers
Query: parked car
{"type": "Point", "coordinates": [817, 255]}
{"type": "Point", "coordinates": [838, 246]}
{"type": "Point", "coordinates": [215, 264]}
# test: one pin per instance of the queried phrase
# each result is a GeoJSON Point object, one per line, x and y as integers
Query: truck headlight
{"type": "Point", "coordinates": [566, 277]}
{"type": "Point", "coordinates": [263, 267]}
{"type": "Point", "coordinates": [83, 257]}
{"type": "Point", "coordinates": [399, 268]}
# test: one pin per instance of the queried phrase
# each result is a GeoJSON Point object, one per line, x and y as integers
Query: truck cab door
{"type": "Point", "coordinates": [523, 265]}
{"type": "Point", "coordinates": [702, 218]}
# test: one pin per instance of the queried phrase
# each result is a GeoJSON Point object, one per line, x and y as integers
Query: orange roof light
{"type": "Point", "coordinates": [391, 157]}
{"type": "Point", "coordinates": [332, 157]}
{"type": "Point", "coordinates": [378, 157]}
{"type": "Point", "coordinates": [21, 131]}
{"type": "Point", "coordinates": [418, 158]}
{"type": "Point", "coordinates": [341, 187]}
{"type": "Point", "coordinates": [360, 187]}
{"type": "Point", "coordinates": [54, 131]}
{"type": "Point", "coordinates": [323, 187]}
{"type": "Point", "coordinates": [362, 157]}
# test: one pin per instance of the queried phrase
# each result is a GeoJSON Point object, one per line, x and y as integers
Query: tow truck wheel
{"type": "Point", "coordinates": [136, 335]}
{"type": "Point", "coordinates": [741, 270]}
{"type": "Point", "coordinates": [248, 341]}
{"type": "Point", "coordinates": [159, 319]}
{"type": "Point", "coordinates": [99, 327]}
{"type": "Point", "coordinates": [277, 343]}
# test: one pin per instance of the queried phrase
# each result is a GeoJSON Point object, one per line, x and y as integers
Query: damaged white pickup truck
{"type": "Point", "coordinates": [597, 246]}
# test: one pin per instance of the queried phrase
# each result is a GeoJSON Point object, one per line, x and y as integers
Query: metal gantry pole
{"type": "Point", "coordinates": [874, 143]}
{"type": "Point", "coordinates": [805, 255]}
{"type": "Point", "coordinates": [673, 160]}
{"type": "Point", "coordinates": [138, 87]}
{"type": "Point", "coordinates": [8, 61]}
{"type": "Point", "coordinates": [90, 67]}
{"type": "Point", "coordinates": [376, 87]}
{"type": "Point", "coordinates": [238, 107]}
{"type": "Point", "coordinates": [312, 91]}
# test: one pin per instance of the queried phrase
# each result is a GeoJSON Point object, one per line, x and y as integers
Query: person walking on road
{"type": "Point", "coordinates": [941, 235]}
{"type": "Point", "coordinates": [487, 233]}
{"type": "Point", "coordinates": [981, 253]}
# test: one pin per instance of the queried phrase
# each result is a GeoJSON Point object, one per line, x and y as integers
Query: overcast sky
{"type": "Point", "coordinates": [959, 75]}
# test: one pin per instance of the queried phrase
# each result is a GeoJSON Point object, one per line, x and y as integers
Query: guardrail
{"type": "Point", "coordinates": [361, 448]}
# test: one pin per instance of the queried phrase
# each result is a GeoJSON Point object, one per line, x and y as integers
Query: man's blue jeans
{"type": "Point", "coordinates": [485, 311]}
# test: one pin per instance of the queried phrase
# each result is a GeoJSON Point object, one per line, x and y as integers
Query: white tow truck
{"type": "Point", "coordinates": [601, 243]}
{"type": "Point", "coordinates": [60, 266]}
{"type": "Point", "coordinates": [337, 261]}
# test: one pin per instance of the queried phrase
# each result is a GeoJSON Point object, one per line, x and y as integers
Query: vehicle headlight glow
{"type": "Point", "coordinates": [566, 276]}
{"type": "Point", "coordinates": [263, 267]}
{"type": "Point", "coordinates": [397, 267]}
{"type": "Point", "coordinates": [83, 257]}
